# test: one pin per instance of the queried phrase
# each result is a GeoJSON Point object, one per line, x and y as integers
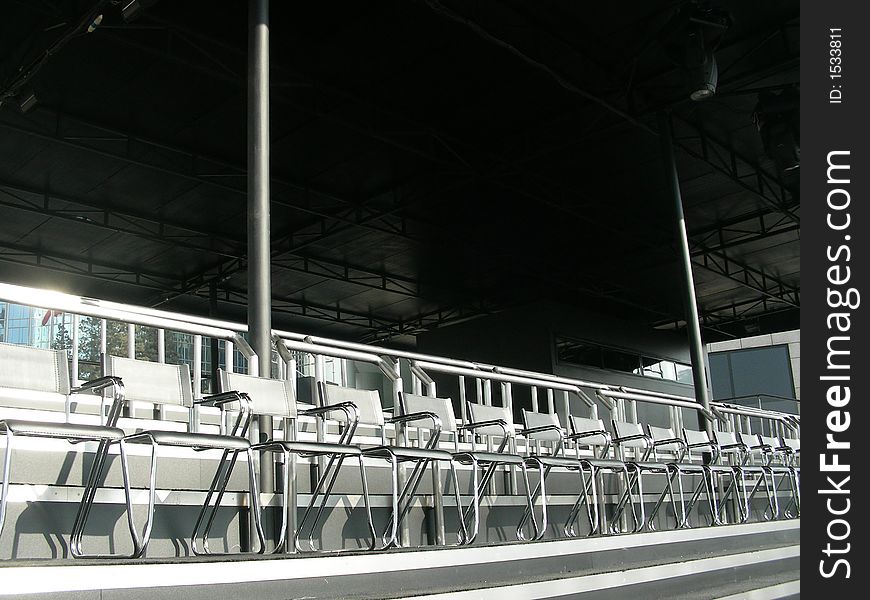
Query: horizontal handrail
{"type": "Point", "coordinates": [685, 403]}
{"type": "Point", "coordinates": [790, 421]}
{"type": "Point", "coordinates": [495, 376]}
{"type": "Point", "coordinates": [304, 346]}
{"type": "Point", "coordinates": [382, 357]}
{"type": "Point", "coordinates": [115, 311]}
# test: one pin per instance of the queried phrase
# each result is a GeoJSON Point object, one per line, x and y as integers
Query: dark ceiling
{"type": "Point", "coordinates": [432, 161]}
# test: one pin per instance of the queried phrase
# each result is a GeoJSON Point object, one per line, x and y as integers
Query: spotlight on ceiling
{"type": "Point", "coordinates": [690, 39]}
{"type": "Point", "coordinates": [703, 72]}
{"type": "Point", "coordinates": [26, 100]}
{"type": "Point", "coordinates": [131, 10]}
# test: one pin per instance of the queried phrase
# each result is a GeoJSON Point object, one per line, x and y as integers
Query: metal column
{"type": "Point", "coordinates": [696, 347]}
{"type": "Point", "coordinates": [259, 276]}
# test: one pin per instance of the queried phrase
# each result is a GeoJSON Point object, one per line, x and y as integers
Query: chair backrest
{"type": "Point", "coordinates": [751, 440]}
{"type": "Point", "coordinates": [34, 369]}
{"type": "Point", "coordinates": [724, 439]}
{"type": "Point", "coordinates": [157, 383]}
{"type": "Point", "coordinates": [269, 397]}
{"type": "Point", "coordinates": [535, 419]}
{"type": "Point", "coordinates": [481, 412]}
{"type": "Point", "coordinates": [624, 429]}
{"type": "Point", "coordinates": [771, 441]}
{"type": "Point", "coordinates": [367, 402]}
{"type": "Point", "coordinates": [659, 434]}
{"type": "Point", "coordinates": [793, 443]}
{"type": "Point", "coordinates": [443, 407]}
{"type": "Point", "coordinates": [698, 441]}
{"type": "Point", "coordinates": [583, 425]}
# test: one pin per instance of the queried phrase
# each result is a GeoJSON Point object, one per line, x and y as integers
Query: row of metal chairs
{"type": "Point", "coordinates": [26, 370]}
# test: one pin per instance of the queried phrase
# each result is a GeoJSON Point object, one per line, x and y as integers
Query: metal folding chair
{"type": "Point", "coordinates": [495, 422]}
{"type": "Point", "coordinates": [275, 398]}
{"type": "Point", "coordinates": [664, 440]}
{"type": "Point", "coordinates": [170, 385]}
{"type": "Point", "coordinates": [777, 458]}
{"type": "Point", "coordinates": [699, 443]}
{"type": "Point", "coordinates": [25, 371]}
{"type": "Point", "coordinates": [591, 433]}
{"type": "Point", "coordinates": [546, 428]}
{"type": "Point", "coordinates": [744, 450]}
{"type": "Point", "coordinates": [370, 414]}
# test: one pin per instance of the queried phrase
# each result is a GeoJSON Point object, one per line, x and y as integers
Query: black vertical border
{"type": "Point", "coordinates": [830, 127]}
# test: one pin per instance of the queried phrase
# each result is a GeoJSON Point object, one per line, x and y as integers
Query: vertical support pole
{"type": "Point", "coordinates": [320, 426]}
{"type": "Point", "coordinates": [197, 381]}
{"type": "Point", "coordinates": [161, 345]}
{"type": "Point", "coordinates": [437, 487]}
{"type": "Point", "coordinates": [534, 392]}
{"type": "Point", "coordinates": [696, 347]}
{"type": "Point", "coordinates": [229, 356]}
{"type": "Point", "coordinates": [103, 337]}
{"type": "Point", "coordinates": [213, 344]}
{"type": "Point", "coordinates": [75, 349]}
{"type": "Point", "coordinates": [399, 386]}
{"type": "Point", "coordinates": [463, 406]}
{"type": "Point", "coordinates": [131, 340]}
{"type": "Point", "coordinates": [508, 401]}
{"type": "Point", "coordinates": [259, 258]}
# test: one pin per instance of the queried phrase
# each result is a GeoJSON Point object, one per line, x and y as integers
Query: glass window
{"type": "Point", "coordinates": [578, 353]}
{"type": "Point", "coordinates": [593, 355]}
{"type": "Point", "coordinates": [684, 373]}
{"type": "Point", "coordinates": [617, 360]}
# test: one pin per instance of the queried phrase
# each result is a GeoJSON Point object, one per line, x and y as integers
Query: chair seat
{"type": "Point", "coordinates": [650, 465]}
{"type": "Point", "coordinates": [700, 468]}
{"type": "Point", "coordinates": [752, 468]}
{"type": "Point", "coordinates": [61, 430]}
{"type": "Point", "coordinates": [604, 463]}
{"type": "Point", "coordinates": [311, 448]}
{"type": "Point", "coordinates": [191, 440]}
{"type": "Point", "coordinates": [557, 461]}
{"type": "Point", "coordinates": [407, 453]}
{"type": "Point", "coordinates": [489, 457]}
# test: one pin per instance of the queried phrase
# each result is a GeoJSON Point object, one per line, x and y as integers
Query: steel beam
{"type": "Point", "coordinates": [749, 277]}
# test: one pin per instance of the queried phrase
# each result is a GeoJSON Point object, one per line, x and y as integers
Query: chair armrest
{"type": "Point", "coordinates": [541, 429]}
{"type": "Point", "coordinates": [637, 436]}
{"type": "Point", "coordinates": [417, 416]}
{"type": "Point", "coordinates": [679, 441]}
{"type": "Point", "coordinates": [224, 398]}
{"type": "Point", "coordinates": [98, 385]}
{"type": "Point", "coordinates": [422, 416]}
{"type": "Point", "coordinates": [584, 434]}
{"type": "Point", "coordinates": [348, 408]}
{"type": "Point", "coordinates": [500, 422]}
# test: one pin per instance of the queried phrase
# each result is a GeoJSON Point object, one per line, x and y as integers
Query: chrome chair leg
{"type": "Point", "coordinates": [7, 462]}
{"type": "Point", "coordinates": [540, 490]}
{"type": "Point", "coordinates": [367, 503]}
{"type": "Point", "coordinates": [88, 495]}
{"type": "Point", "coordinates": [474, 508]}
{"type": "Point", "coordinates": [218, 485]}
{"type": "Point", "coordinates": [331, 472]}
{"type": "Point", "coordinates": [531, 508]}
{"type": "Point", "coordinates": [463, 532]}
